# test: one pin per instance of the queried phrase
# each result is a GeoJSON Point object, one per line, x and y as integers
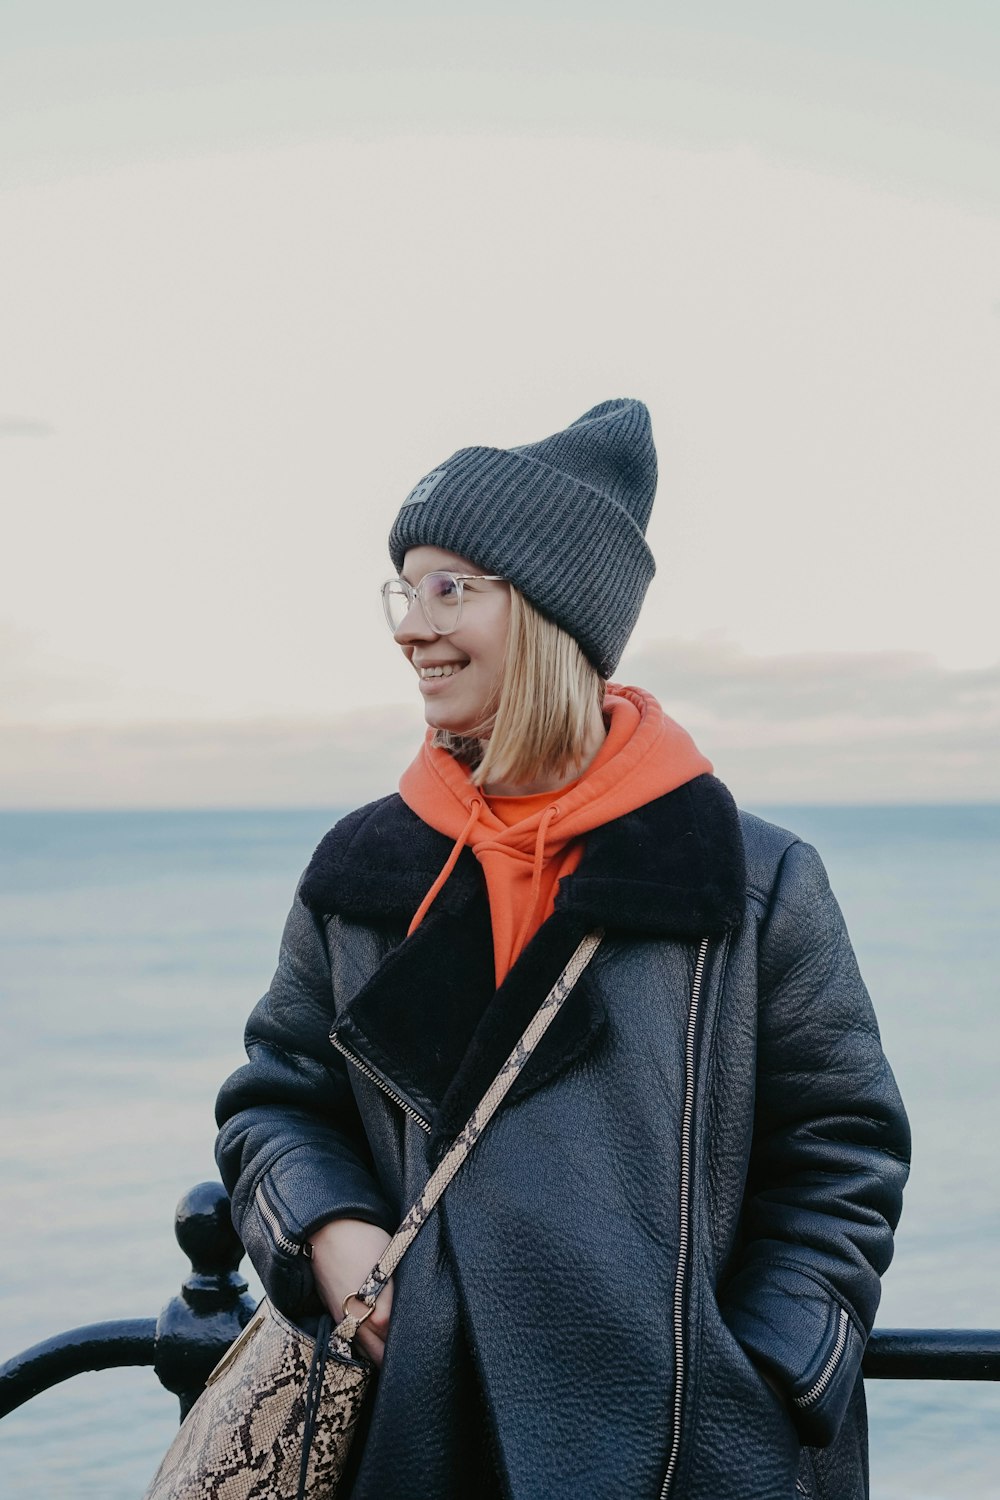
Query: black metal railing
{"type": "Point", "coordinates": [195, 1328]}
{"type": "Point", "coordinates": [187, 1340]}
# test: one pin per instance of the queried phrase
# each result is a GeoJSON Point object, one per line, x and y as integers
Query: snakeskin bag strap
{"type": "Point", "coordinates": [277, 1416]}
{"type": "Point", "coordinates": [463, 1143]}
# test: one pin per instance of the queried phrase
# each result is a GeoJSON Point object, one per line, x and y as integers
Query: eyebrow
{"type": "Point", "coordinates": [432, 570]}
{"type": "Point", "coordinates": [474, 577]}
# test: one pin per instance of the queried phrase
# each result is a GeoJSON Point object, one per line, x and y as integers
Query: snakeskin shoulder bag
{"type": "Point", "coordinates": [277, 1416]}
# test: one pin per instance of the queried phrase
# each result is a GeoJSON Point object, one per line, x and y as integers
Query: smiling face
{"type": "Point", "coordinates": [459, 672]}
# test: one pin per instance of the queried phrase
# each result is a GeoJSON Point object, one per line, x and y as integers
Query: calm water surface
{"type": "Point", "coordinates": [132, 946]}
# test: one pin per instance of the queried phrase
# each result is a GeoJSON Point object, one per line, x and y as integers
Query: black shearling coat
{"type": "Point", "coordinates": [697, 1175]}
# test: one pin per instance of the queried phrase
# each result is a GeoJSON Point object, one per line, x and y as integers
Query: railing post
{"type": "Point", "coordinates": [195, 1329]}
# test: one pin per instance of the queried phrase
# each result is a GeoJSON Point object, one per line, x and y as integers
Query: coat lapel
{"type": "Point", "coordinates": [429, 1020]}
{"type": "Point", "coordinates": [674, 868]}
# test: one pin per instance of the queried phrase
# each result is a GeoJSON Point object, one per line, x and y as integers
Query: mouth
{"type": "Point", "coordinates": [441, 669]}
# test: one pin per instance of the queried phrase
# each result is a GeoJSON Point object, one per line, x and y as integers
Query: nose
{"type": "Point", "coordinates": [413, 627]}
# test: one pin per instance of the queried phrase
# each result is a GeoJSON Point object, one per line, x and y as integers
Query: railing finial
{"type": "Point", "coordinates": [205, 1233]}
{"type": "Point", "coordinates": [195, 1329]}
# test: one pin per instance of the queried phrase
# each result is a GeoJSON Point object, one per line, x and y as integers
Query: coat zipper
{"type": "Point", "coordinates": [684, 1246]}
{"type": "Point", "coordinates": [281, 1239]}
{"type": "Point", "coordinates": [826, 1374]}
{"type": "Point", "coordinates": [363, 1067]}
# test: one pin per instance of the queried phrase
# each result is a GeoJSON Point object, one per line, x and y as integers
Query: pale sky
{"type": "Point", "coordinates": [262, 270]}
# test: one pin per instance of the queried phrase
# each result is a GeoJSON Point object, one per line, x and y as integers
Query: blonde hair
{"type": "Point", "coordinates": [536, 722]}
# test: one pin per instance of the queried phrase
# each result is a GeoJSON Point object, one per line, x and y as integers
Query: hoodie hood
{"type": "Point", "coordinates": [645, 755]}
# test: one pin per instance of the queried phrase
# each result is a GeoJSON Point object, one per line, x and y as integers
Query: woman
{"type": "Point", "coordinates": [656, 1274]}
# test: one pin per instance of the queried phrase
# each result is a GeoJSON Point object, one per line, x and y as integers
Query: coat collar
{"type": "Point", "coordinates": [674, 868]}
{"type": "Point", "coordinates": [429, 1020]}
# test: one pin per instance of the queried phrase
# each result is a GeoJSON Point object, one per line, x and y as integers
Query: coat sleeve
{"type": "Point", "coordinates": [829, 1159]}
{"type": "Point", "coordinates": [291, 1147]}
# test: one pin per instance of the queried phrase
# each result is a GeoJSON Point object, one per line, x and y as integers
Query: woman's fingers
{"type": "Point", "coordinates": [371, 1335]}
{"type": "Point", "coordinates": [378, 1322]}
{"type": "Point", "coordinates": [370, 1344]}
{"type": "Point", "coordinates": [343, 1253]}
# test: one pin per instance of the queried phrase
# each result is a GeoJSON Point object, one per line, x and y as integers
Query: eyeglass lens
{"type": "Point", "coordinates": [440, 597]}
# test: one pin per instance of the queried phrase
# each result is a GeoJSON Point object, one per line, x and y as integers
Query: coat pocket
{"type": "Point", "coordinates": [792, 1323]}
{"type": "Point", "coordinates": [744, 1439]}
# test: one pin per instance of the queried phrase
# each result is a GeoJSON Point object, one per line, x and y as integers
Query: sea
{"type": "Point", "coordinates": [132, 947]}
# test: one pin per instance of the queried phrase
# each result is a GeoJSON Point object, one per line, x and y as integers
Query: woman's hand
{"type": "Point", "coordinates": [343, 1252]}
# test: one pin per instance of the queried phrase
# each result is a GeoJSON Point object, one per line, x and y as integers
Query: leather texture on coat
{"type": "Point", "coordinates": [563, 1255]}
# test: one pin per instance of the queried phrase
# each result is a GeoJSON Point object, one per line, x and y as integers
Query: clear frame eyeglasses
{"type": "Point", "coordinates": [438, 594]}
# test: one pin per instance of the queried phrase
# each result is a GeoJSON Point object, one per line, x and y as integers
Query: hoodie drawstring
{"type": "Point", "coordinates": [537, 864]}
{"type": "Point", "coordinates": [536, 874]}
{"type": "Point", "coordinates": [452, 860]}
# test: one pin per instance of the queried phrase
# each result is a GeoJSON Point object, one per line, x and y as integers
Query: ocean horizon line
{"type": "Point", "coordinates": [225, 809]}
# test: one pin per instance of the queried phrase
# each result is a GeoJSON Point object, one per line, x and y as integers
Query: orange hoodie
{"type": "Point", "coordinates": [526, 845]}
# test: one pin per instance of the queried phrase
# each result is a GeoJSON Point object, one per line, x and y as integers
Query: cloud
{"type": "Point", "coordinates": [36, 682]}
{"type": "Point", "coordinates": [258, 763]}
{"type": "Point", "coordinates": [715, 674]}
{"type": "Point", "coordinates": [832, 726]}
{"type": "Point", "coordinates": [822, 727]}
{"type": "Point", "coordinates": [24, 427]}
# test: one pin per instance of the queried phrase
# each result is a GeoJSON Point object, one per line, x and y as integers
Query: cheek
{"type": "Point", "coordinates": [493, 639]}
{"type": "Point", "coordinates": [487, 662]}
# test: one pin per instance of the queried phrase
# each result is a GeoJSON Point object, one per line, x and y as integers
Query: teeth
{"type": "Point", "coordinates": [448, 670]}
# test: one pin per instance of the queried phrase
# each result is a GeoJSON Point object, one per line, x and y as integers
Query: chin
{"type": "Point", "coordinates": [448, 724]}
{"type": "Point", "coordinates": [454, 722]}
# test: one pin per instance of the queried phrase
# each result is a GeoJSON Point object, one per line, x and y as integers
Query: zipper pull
{"type": "Point", "coordinates": [281, 1239]}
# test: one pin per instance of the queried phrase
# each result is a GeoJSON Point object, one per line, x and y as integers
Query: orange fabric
{"type": "Point", "coordinates": [526, 845]}
{"type": "Point", "coordinates": [511, 810]}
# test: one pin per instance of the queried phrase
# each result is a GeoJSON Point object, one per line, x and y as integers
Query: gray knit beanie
{"type": "Point", "coordinates": [562, 519]}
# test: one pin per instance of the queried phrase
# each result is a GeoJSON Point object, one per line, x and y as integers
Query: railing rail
{"type": "Point", "coordinates": [98, 1346]}
{"type": "Point", "coordinates": [933, 1354]}
{"type": "Point", "coordinates": [195, 1328]}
